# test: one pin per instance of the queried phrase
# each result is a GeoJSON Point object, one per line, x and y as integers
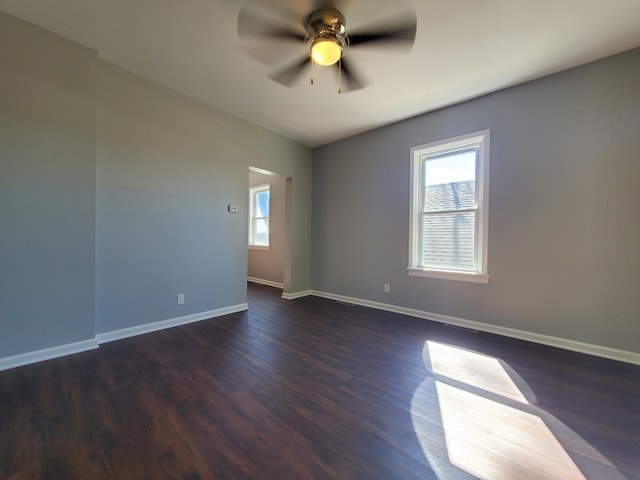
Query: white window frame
{"type": "Point", "coordinates": [478, 141]}
{"type": "Point", "coordinates": [252, 217]}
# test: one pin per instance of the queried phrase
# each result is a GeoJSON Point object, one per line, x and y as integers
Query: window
{"type": "Point", "coordinates": [259, 216]}
{"type": "Point", "coordinates": [449, 209]}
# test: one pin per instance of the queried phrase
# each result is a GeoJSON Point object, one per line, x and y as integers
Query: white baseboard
{"type": "Point", "coordinates": [268, 283]}
{"type": "Point", "coordinates": [77, 347]}
{"type": "Point", "coordinates": [172, 322]}
{"type": "Point", "coordinates": [596, 350]}
{"type": "Point", "coordinates": [85, 345]}
{"type": "Point", "coordinates": [294, 295]}
{"type": "Point", "coordinates": [47, 354]}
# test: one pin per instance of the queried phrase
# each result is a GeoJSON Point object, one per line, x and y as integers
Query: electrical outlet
{"type": "Point", "coordinates": [180, 298]}
{"type": "Point", "coordinates": [387, 288]}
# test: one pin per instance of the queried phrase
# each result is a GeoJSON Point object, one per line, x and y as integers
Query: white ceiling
{"type": "Point", "coordinates": [463, 48]}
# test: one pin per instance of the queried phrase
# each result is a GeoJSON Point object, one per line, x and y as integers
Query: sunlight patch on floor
{"type": "Point", "coordinates": [476, 416]}
{"type": "Point", "coordinates": [494, 441]}
{"type": "Point", "coordinates": [472, 368]}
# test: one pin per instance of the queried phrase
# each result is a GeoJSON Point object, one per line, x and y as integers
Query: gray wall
{"type": "Point", "coordinates": [167, 167]}
{"type": "Point", "coordinates": [47, 189]}
{"type": "Point", "coordinates": [564, 222]}
{"type": "Point", "coordinates": [269, 264]}
{"type": "Point", "coordinates": [114, 194]}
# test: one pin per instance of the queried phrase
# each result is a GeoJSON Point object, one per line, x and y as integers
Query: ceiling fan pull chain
{"type": "Point", "coordinates": [312, 62]}
{"type": "Point", "coordinates": [340, 76]}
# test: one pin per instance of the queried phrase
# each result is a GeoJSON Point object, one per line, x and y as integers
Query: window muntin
{"type": "Point", "coordinates": [259, 199]}
{"type": "Point", "coordinates": [449, 216]}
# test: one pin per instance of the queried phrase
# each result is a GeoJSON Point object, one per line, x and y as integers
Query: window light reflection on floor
{"type": "Point", "coordinates": [473, 369]}
{"type": "Point", "coordinates": [484, 424]}
{"type": "Point", "coordinates": [494, 441]}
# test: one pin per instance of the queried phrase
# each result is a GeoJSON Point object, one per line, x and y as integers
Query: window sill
{"type": "Point", "coordinates": [449, 275]}
{"type": "Point", "coordinates": [259, 247]}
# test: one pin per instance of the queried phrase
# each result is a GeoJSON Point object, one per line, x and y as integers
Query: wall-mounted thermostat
{"type": "Point", "coordinates": [232, 208]}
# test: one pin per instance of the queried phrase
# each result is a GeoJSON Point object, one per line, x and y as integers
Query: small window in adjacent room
{"type": "Point", "coordinates": [259, 216]}
{"type": "Point", "coordinates": [449, 209]}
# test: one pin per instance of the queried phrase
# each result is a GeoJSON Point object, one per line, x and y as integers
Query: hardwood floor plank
{"type": "Point", "coordinates": [316, 389]}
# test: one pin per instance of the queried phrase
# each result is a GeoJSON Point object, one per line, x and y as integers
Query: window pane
{"type": "Point", "coordinates": [449, 182]}
{"type": "Point", "coordinates": [448, 241]}
{"type": "Point", "coordinates": [261, 231]}
{"type": "Point", "coordinates": [262, 204]}
{"type": "Point", "coordinates": [450, 196]}
{"type": "Point", "coordinates": [456, 167]}
{"type": "Point", "coordinates": [259, 216]}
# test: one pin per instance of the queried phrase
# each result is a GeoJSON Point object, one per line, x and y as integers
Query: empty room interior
{"type": "Point", "coordinates": [348, 239]}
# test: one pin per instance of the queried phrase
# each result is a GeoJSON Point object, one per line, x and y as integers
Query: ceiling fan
{"type": "Point", "coordinates": [325, 38]}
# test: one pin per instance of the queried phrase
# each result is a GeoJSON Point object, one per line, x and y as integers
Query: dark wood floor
{"type": "Point", "coordinates": [316, 389]}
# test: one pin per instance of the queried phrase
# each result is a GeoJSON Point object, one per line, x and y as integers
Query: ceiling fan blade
{"type": "Point", "coordinates": [352, 80]}
{"type": "Point", "coordinates": [252, 23]}
{"type": "Point", "coordinates": [402, 32]}
{"type": "Point", "coordinates": [288, 75]}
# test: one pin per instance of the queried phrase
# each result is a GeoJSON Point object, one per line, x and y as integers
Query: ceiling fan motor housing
{"type": "Point", "coordinates": [325, 23]}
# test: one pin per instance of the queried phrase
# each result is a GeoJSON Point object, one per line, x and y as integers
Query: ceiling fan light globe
{"type": "Point", "coordinates": [326, 51]}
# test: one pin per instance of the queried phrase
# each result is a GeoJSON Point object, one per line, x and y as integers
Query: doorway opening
{"type": "Point", "coordinates": [269, 227]}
